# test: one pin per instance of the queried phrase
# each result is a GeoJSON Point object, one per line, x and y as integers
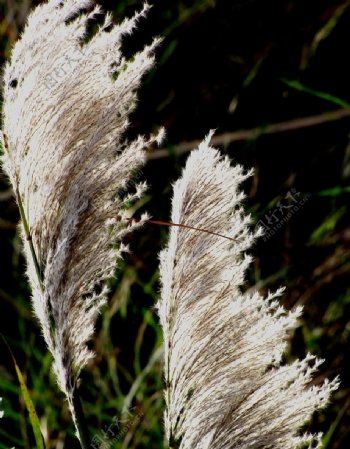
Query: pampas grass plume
{"type": "Point", "coordinates": [66, 105]}
{"type": "Point", "coordinates": [226, 384]}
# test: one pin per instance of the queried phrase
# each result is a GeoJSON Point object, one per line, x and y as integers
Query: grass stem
{"type": "Point", "coordinates": [79, 417]}
{"type": "Point", "coordinates": [80, 420]}
{"type": "Point", "coordinates": [29, 239]}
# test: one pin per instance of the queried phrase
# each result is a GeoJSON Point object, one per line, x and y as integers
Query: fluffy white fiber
{"type": "Point", "coordinates": [66, 107]}
{"type": "Point", "coordinates": [226, 386]}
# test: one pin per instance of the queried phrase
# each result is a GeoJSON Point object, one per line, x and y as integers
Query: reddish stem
{"type": "Point", "coordinates": [179, 225]}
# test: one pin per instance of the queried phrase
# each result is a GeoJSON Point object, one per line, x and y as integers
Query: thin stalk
{"type": "Point", "coordinates": [254, 133]}
{"type": "Point", "coordinates": [179, 225]}
{"type": "Point", "coordinates": [5, 146]}
{"type": "Point", "coordinates": [29, 239]}
{"type": "Point", "coordinates": [79, 417]}
{"type": "Point", "coordinates": [80, 421]}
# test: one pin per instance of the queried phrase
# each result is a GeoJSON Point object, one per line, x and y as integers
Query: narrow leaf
{"type": "Point", "coordinates": [33, 417]}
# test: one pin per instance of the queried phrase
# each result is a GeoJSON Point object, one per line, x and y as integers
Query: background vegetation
{"type": "Point", "coordinates": [278, 69]}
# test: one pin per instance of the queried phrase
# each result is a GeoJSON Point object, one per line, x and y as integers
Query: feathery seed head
{"type": "Point", "coordinates": [226, 385]}
{"type": "Point", "coordinates": [67, 100]}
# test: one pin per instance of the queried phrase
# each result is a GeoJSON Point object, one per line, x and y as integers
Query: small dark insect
{"type": "Point", "coordinates": [14, 83]}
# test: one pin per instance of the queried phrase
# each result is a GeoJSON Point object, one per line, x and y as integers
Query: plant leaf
{"type": "Point", "coordinates": [33, 417]}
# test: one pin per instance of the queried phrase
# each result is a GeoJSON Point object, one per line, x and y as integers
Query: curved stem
{"type": "Point", "coordinates": [179, 225]}
{"type": "Point", "coordinates": [75, 403]}
{"type": "Point", "coordinates": [29, 239]}
{"type": "Point", "coordinates": [79, 420]}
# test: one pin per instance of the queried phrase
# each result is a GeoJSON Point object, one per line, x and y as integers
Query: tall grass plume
{"type": "Point", "coordinates": [67, 99]}
{"type": "Point", "coordinates": [226, 383]}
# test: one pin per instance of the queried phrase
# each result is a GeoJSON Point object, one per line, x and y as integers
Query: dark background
{"type": "Point", "coordinates": [228, 65]}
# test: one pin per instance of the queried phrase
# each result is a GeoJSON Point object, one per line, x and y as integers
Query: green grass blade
{"type": "Point", "coordinates": [329, 27]}
{"type": "Point", "coordinates": [334, 191]}
{"type": "Point", "coordinates": [297, 85]}
{"type": "Point", "coordinates": [328, 225]}
{"type": "Point", "coordinates": [33, 417]}
{"type": "Point", "coordinates": [327, 438]}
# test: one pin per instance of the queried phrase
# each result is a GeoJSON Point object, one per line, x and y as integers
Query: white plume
{"type": "Point", "coordinates": [66, 105]}
{"type": "Point", "coordinates": [226, 385]}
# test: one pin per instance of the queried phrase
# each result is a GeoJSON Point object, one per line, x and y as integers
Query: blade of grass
{"type": "Point", "coordinates": [330, 433]}
{"type": "Point", "coordinates": [328, 28]}
{"type": "Point", "coordinates": [33, 417]}
{"type": "Point", "coordinates": [334, 191]}
{"type": "Point", "coordinates": [328, 225]}
{"type": "Point", "coordinates": [297, 85]}
{"type": "Point", "coordinates": [156, 356]}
